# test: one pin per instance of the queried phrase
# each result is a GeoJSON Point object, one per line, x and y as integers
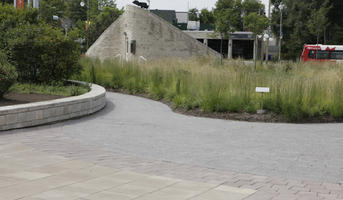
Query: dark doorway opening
{"type": "Point", "coordinates": [243, 49]}
{"type": "Point", "coordinates": [201, 40]}
{"type": "Point", "coordinates": [215, 45]}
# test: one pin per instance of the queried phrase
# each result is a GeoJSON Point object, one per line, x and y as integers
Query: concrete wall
{"type": "Point", "coordinates": [155, 38]}
{"type": "Point", "coordinates": [33, 114]}
{"type": "Point", "coordinates": [111, 42]}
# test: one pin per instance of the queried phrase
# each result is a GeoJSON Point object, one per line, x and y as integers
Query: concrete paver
{"type": "Point", "coordinates": [82, 180]}
{"type": "Point", "coordinates": [139, 138]}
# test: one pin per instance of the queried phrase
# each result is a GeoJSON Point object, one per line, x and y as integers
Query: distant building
{"type": "Point", "coordinates": [168, 15]}
{"type": "Point", "coordinates": [29, 3]}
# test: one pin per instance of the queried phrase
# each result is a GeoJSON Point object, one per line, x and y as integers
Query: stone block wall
{"type": "Point", "coordinates": [33, 114]}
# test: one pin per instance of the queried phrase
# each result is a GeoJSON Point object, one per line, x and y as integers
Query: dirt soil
{"type": "Point", "coordinates": [250, 117]}
{"type": "Point", "coordinates": [18, 98]}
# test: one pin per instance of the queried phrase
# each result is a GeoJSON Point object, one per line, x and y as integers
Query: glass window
{"type": "Point", "coordinates": [323, 54]}
{"type": "Point", "coordinates": [337, 55]}
{"type": "Point", "coordinates": [311, 54]}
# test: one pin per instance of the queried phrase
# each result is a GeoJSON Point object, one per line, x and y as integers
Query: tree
{"type": "Point", "coordinates": [207, 17]}
{"type": "Point", "coordinates": [308, 22]}
{"type": "Point", "coordinates": [101, 22]}
{"type": "Point", "coordinates": [250, 6]}
{"type": "Point", "coordinates": [228, 14]}
{"type": "Point", "coordinates": [318, 21]}
{"type": "Point", "coordinates": [257, 24]}
{"type": "Point", "coordinates": [107, 3]}
{"type": "Point", "coordinates": [49, 8]}
{"type": "Point", "coordinates": [193, 14]}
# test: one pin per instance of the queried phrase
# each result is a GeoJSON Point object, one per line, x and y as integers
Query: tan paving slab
{"type": "Point", "coordinates": [72, 180]}
{"type": "Point", "coordinates": [133, 190]}
{"type": "Point", "coordinates": [225, 193]}
{"type": "Point", "coordinates": [102, 183]}
{"type": "Point", "coordinates": [7, 181]}
{"type": "Point", "coordinates": [27, 175]}
{"type": "Point", "coordinates": [66, 193]}
{"type": "Point", "coordinates": [13, 148]}
{"type": "Point", "coordinates": [107, 196]}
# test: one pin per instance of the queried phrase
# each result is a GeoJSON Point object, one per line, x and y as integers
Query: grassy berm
{"type": "Point", "coordinates": [298, 90]}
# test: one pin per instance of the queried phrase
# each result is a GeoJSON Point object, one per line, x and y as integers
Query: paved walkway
{"type": "Point", "coordinates": [28, 174]}
{"type": "Point", "coordinates": [280, 161]}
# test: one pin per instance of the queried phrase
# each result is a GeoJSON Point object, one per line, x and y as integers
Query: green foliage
{"type": "Point", "coordinates": [298, 91]}
{"type": "Point", "coordinates": [8, 74]}
{"type": "Point", "coordinates": [102, 21]}
{"type": "Point", "coordinates": [318, 21]}
{"type": "Point", "coordinates": [57, 89]}
{"type": "Point", "coordinates": [42, 54]}
{"type": "Point", "coordinates": [193, 14]}
{"type": "Point", "coordinates": [237, 15]}
{"type": "Point", "coordinates": [252, 6]}
{"type": "Point", "coordinates": [255, 23]}
{"type": "Point", "coordinates": [228, 16]}
{"type": "Point", "coordinates": [207, 18]}
{"type": "Point", "coordinates": [308, 22]}
{"type": "Point", "coordinates": [48, 8]}
{"type": "Point", "coordinates": [11, 18]}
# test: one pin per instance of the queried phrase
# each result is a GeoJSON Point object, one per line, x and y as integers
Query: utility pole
{"type": "Point", "coordinates": [269, 30]}
{"type": "Point", "coordinates": [281, 32]}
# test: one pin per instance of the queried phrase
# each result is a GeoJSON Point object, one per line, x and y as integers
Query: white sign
{"type": "Point", "coordinates": [262, 89]}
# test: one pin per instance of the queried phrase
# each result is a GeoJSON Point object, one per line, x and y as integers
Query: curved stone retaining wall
{"type": "Point", "coordinates": [33, 114]}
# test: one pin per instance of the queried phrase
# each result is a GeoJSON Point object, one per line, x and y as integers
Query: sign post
{"type": "Point", "coordinates": [262, 90]}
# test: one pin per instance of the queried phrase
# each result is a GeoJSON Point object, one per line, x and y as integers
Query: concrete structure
{"type": "Point", "coordinates": [239, 45]}
{"type": "Point", "coordinates": [33, 114]}
{"type": "Point", "coordinates": [140, 33]}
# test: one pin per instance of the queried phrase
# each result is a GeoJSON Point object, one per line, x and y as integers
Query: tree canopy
{"type": "Point", "coordinates": [308, 22]}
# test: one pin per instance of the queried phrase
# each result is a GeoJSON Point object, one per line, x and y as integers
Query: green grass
{"type": "Point", "coordinates": [298, 90]}
{"type": "Point", "coordinates": [59, 90]}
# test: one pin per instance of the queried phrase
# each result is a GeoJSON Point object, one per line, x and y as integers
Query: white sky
{"type": "Point", "coordinates": [178, 5]}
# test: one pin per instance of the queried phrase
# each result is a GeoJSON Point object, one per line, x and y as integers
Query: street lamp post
{"type": "Point", "coordinates": [82, 4]}
{"type": "Point", "coordinates": [269, 30]}
{"type": "Point", "coordinates": [281, 31]}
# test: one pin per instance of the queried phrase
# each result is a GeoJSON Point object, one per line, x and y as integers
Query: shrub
{"type": "Point", "coordinates": [42, 54]}
{"type": "Point", "coordinates": [8, 75]}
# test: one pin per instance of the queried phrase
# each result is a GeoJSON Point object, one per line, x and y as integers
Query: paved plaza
{"type": "Point", "coordinates": [191, 157]}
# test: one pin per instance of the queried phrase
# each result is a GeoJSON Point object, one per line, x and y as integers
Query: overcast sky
{"type": "Point", "coordinates": [178, 5]}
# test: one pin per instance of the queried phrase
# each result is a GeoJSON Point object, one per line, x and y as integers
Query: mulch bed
{"type": "Point", "coordinates": [18, 98]}
{"type": "Point", "coordinates": [250, 117]}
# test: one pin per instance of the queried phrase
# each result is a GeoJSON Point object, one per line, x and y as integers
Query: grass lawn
{"type": "Point", "coordinates": [298, 91]}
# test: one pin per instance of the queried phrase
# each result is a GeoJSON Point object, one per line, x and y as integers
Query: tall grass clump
{"type": "Point", "coordinates": [298, 90]}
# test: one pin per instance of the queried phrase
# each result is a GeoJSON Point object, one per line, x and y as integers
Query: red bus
{"type": "Point", "coordinates": [333, 53]}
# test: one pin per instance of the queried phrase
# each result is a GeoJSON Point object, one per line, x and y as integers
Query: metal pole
{"type": "Point", "coordinates": [87, 31]}
{"type": "Point", "coordinates": [281, 36]}
{"type": "Point", "coordinates": [255, 50]}
{"type": "Point", "coordinates": [267, 45]}
{"type": "Point", "coordinates": [262, 49]}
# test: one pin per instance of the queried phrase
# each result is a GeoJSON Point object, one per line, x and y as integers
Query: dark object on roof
{"type": "Point", "coordinates": [168, 15]}
{"type": "Point", "coordinates": [141, 4]}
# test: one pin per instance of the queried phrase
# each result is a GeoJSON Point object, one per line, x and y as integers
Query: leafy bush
{"type": "Point", "coordinates": [42, 54]}
{"type": "Point", "coordinates": [8, 75]}
{"type": "Point", "coordinates": [11, 18]}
